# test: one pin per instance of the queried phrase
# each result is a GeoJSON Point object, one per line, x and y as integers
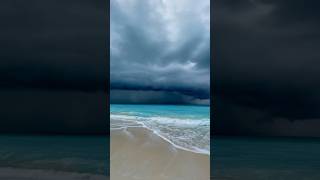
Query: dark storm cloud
{"type": "Point", "coordinates": [53, 44]}
{"type": "Point", "coordinates": [52, 112]}
{"type": "Point", "coordinates": [154, 97]}
{"type": "Point", "coordinates": [53, 66]}
{"type": "Point", "coordinates": [266, 67]}
{"type": "Point", "coordinates": [160, 46]}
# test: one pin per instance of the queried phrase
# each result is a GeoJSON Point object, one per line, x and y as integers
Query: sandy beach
{"type": "Point", "coordinates": [137, 153]}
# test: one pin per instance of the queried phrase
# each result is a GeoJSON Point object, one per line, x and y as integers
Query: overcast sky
{"type": "Point", "coordinates": [53, 66]}
{"type": "Point", "coordinates": [266, 67]}
{"type": "Point", "coordinates": [160, 51]}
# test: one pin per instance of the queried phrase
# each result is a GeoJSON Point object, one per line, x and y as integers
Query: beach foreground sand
{"type": "Point", "coordinates": [138, 153]}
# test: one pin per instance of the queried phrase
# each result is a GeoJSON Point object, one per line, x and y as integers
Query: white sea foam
{"type": "Point", "coordinates": [179, 122]}
{"type": "Point", "coordinates": [185, 133]}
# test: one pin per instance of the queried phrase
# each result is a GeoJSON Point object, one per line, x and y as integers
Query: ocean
{"type": "Point", "coordinates": [186, 127]}
{"type": "Point", "coordinates": [72, 154]}
{"type": "Point", "coordinates": [257, 158]}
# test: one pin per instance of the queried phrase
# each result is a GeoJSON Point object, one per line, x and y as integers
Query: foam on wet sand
{"type": "Point", "coordinates": [138, 153]}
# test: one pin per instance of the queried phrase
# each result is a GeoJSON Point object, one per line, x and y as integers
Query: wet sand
{"type": "Point", "coordinates": [139, 154]}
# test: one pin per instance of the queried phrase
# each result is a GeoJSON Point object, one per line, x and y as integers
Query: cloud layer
{"type": "Point", "coordinates": [53, 66]}
{"type": "Point", "coordinates": [266, 68]}
{"type": "Point", "coordinates": [160, 45]}
{"type": "Point", "coordinates": [53, 45]}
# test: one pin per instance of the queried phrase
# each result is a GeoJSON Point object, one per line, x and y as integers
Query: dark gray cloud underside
{"type": "Point", "coordinates": [266, 67]}
{"type": "Point", "coordinates": [53, 44]}
{"type": "Point", "coordinates": [53, 112]}
{"type": "Point", "coordinates": [53, 66]}
{"type": "Point", "coordinates": [160, 46]}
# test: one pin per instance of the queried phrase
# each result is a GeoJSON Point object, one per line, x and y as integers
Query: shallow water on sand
{"type": "Point", "coordinates": [138, 153]}
{"type": "Point", "coordinates": [187, 127]}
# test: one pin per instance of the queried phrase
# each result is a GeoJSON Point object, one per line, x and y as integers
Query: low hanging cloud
{"type": "Point", "coordinates": [266, 68]}
{"type": "Point", "coordinates": [53, 45]}
{"type": "Point", "coordinates": [53, 68]}
{"type": "Point", "coordinates": [154, 97]}
{"type": "Point", "coordinates": [160, 46]}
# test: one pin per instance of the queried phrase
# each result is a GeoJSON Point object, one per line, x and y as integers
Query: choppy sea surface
{"type": "Point", "coordinates": [74, 154]}
{"type": "Point", "coordinates": [257, 158]}
{"type": "Point", "coordinates": [187, 127]}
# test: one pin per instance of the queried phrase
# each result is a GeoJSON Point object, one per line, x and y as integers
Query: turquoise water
{"type": "Point", "coordinates": [79, 154]}
{"type": "Point", "coordinates": [265, 158]}
{"type": "Point", "coordinates": [187, 112]}
{"type": "Point", "coordinates": [187, 127]}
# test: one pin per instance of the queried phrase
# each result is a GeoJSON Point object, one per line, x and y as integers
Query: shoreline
{"type": "Point", "coordinates": [142, 125]}
{"type": "Point", "coordinates": [143, 154]}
